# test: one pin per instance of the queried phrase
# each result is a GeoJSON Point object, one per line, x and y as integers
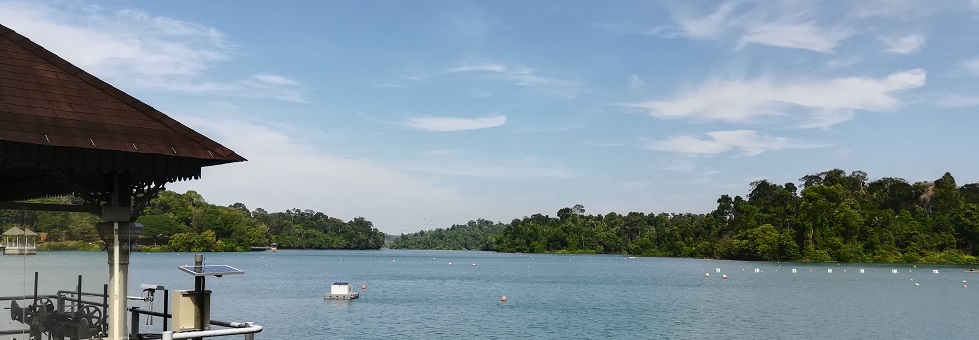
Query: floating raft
{"type": "Point", "coordinates": [346, 296]}
{"type": "Point", "coordinates": [341, 291]}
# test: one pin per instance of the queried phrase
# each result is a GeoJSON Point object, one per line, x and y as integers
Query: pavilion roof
{"type": "Point", "coordinates": [15, 231]}
{"type": "Point", "coordinates": [54, 115]}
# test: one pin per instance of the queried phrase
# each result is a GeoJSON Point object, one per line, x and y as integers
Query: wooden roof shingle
{"type": "Point", "coordinates": [64, 131]}
{"type": "Point", "coordinates": [46, 100]}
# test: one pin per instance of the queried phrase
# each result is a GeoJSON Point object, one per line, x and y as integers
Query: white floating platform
{"type": "Point", "coordinates": [349, 296]}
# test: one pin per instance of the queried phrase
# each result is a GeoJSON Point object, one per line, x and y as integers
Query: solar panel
{"type": "Point", "coordinates": [211, 270]}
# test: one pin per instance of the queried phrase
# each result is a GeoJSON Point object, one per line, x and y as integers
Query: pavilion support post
{"type": "Point", "coordinates": [119, 235]}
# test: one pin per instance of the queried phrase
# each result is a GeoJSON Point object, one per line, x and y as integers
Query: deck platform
{"type": "Point", "coordinates": [350, 296]}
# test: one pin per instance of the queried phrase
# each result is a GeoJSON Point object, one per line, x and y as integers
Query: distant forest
{"type": "Point", "coordinates": [835, 217]}
{"type": "Point", "coordinates": [186, 222]}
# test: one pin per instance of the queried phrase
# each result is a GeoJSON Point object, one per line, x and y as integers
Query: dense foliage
{"type": "Point", "coordinates": [475, 235]}
{"type": "Point", "coordinates": [834, 217]}
{"type": "Point", "coordinates": [186, 222]}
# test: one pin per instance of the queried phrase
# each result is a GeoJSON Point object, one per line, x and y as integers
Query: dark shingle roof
{"type": "Point", "coordinates": [64, 131]}
{"type": "Point", "coordinates": [46, 100]}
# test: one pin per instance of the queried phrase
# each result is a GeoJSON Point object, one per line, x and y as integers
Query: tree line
{"type": "Point", "coordinates": [186, 222]}
{"type": "Point", "coordinates": [833, 216]}
{"type": "Point", "coordinates": [475, 235]}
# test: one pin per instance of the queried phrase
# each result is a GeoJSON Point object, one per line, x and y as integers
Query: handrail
{"type": "Point", "coordinates": [248, 329]}
{"type": "Point", "coordinates": [235, 328]}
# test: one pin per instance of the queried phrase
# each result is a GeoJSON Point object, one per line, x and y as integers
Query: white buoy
{"type": "Point", "coordinates": [861, 270]}
{"type": "Point", "coordinates": [794, 271]}
{"type": "Point", "coordinates": [707, 274]}
{"type": "Point", "coordinates": [450, 263]}
{"type": "Point", "coordinates": [934, 271]}
{"type": "Point", "coordinates": [829, 270]}
{"type": "Point", "coordinates": [724, 276]}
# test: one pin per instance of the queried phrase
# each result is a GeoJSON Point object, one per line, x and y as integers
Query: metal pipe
{"type": "Point", "coordinates": [248, 329]}
{"type": "Point", "coordinates": [35, 288]}
{"type": "Point", "coordinates": [78, 305]}
{"type": "Point", "coordinates": [115, 320]}
{"type": "Point", "coordinates": [199, 280]}
{"type": "Point", "coordinates": [134, 322]}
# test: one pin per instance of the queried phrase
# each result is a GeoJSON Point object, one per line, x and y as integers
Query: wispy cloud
{"type": "Point", "coordinates": [807, 36]}
{"type": "Point", "coordinates": [904, 45]}
{"type": "Point", "coordinates": [706, 26]}
{"type": "Point", "coordinates": [138, 50]}
{"type": "Point", "coordinates": [955, 100]}
{"type": "Point", "coordinates": [606, 145]}
{"type": "Point", "coordinates": [636, 83]}
{"type": "Point", "coordinates": [357, 187]}
{"type": "Point", "coordinates": [522, 169]}
{"type": "Point", "coordinates": [520, 76]}
{"type": "Point", "coordinates": [479, 67]}
{"type": "Point", "coordinates": [972, 65]}
{"type": "Point", "coordinates": [747, 142]}
{"type": "Point", "coordinates": [741, 101]}
{"type": "Point", "coordinates": [455, 123]}
{"type": "Point", "coordinates": [789, 25]}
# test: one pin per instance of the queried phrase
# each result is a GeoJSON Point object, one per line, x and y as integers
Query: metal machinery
{"type": "Point", "coordinates": [67, 316]}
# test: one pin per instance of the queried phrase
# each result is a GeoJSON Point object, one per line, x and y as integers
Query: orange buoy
{"type": "Point", "coordinates": [363, 287]}
{"type": "Point", "coordinates": [503, 299]}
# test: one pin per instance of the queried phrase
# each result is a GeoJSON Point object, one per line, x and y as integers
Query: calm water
{"type": "Point", "coordinates": [417, 294]}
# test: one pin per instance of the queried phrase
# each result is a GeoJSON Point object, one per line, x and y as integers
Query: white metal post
{"type": "Point", "coordinates": [116, 305]}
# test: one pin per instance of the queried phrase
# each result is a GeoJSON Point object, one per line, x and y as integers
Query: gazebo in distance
{"type": "Point", "coordinates": [18, 241]}
{"type": "Point", "coordinates": [65, 132]}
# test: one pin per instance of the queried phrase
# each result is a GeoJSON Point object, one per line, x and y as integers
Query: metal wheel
{"type": "Point", "coordinates": [93, 315]}
{"type": "Point", "coordinates": [43, 304]}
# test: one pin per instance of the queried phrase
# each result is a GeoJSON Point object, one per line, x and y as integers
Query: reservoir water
{"type": "Point", "coordinates": [419, 295]}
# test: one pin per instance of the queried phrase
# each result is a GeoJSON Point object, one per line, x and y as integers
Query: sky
{"type": "Point", "coordinates": [423, 114]}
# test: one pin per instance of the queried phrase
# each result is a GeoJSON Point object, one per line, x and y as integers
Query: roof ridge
{"type": "Point", "coordinates": [116, 93]}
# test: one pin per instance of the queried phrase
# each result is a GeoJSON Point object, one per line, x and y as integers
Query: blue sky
{"type": "Point", "coordinates": [420, 114]}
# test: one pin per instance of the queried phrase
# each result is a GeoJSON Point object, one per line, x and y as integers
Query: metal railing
{"type": "Point", "coordinates": [248, 329]}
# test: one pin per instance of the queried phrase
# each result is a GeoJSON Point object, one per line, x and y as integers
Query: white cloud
{"type": "Point", "coordinates": [636, 83]}
{"type": "Point", "coordinates": [865, 9]}
{"type": "Point", "coordinates": [133, 49]}
{"type": "Point", "coordinates": [786, 24]}
{"type": "Point", "coordinates": [455, 123]}
{"type": "Point", "coordinates": [956, 100]}
{"type": "Point", "coordinates": [905, 45]}
{"type": "Point", "coordinates": [274, 79]}
{"type": "Point", "coordinates": [740, 101]}
{"type": "Point", "coordinates": [806, 36]}
{"type": "Point", "coordinates": [706, 26]}
{"type": "Point", "coordinates": [843, 62]}
{"type": "Point", "coordinates": [527, 168]}
{"type": "Point", "coordinates": [971, 65]}
{"type": "Point", "coordinates": [479, 67]}
{"type": "Point", "coordinates": [295, 175]}
{"type": "Point", "coordinates": [520, 76]}
{"type": "Point", "coordinates": [748, 142]}
{"type": "Point", "coordinates": [124, 42]}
